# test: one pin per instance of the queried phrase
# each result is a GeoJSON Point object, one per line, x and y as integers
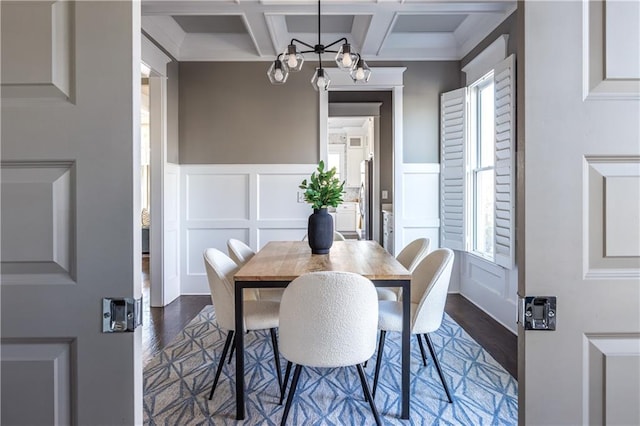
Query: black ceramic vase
{"type": "Point", "coordinates": [320, 231]}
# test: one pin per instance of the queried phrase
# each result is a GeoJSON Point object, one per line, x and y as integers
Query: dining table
{"type": "Point", "coordinates": [280, 262]}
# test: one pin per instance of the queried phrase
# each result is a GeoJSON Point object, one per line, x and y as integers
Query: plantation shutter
{"type": "Point", "coordinates": [505, 109]}
{"type": "Point", "coordinates": [453, 118]}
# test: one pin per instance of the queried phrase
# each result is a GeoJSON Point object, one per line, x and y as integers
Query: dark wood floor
{"type": "Point", "coordinates": [161, 325]}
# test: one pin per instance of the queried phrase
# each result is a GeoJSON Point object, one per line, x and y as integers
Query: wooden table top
{"type": "Point", "coordinates": [287, 260]}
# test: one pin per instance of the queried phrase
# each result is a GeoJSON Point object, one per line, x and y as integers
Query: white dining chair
{"type": "Point", "coordinates": [409, 257]}
{"type": "Point", "coordinates": [328, 319]}
{"type": "Point", "coordinates": [429, 287]}
{"type": "Point", "coordinates": [241, 253]}
{"type": "Point", "coordinates": [258, 315]}
{"type": "Point", "coordinates": [337, 236]}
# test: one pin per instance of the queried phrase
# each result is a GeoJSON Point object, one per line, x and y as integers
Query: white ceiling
{"type": "Point", "coordinates": [340, 124]}
{"type": "Point", "coordinates": [380, 30]}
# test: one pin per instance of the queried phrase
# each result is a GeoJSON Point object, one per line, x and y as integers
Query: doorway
{"type": "Point", "coordinates": [351, 150]}
{"type": "Point", "coordinates": [145, 179]}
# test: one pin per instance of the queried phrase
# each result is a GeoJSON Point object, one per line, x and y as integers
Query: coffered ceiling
{"type": "Point", "coordinates": [381, 30]}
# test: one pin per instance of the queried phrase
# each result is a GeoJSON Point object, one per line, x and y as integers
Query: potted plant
{"type": "Point", "coordinates": [323, 190]}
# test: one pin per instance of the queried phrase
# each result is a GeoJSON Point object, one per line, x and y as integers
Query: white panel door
{"type": "Point", "coordinates": [581, 169]}
{"type": "Point", "coordinates": [70, 211]}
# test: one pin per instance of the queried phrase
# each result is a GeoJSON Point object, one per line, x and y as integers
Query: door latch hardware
{"type": "Point", "coordinates": [537, 312]}
{"type": "Point", "coordinates": [121, 315]}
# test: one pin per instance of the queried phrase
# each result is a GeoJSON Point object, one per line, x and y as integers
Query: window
{"type": "Point", "coordinates": [482, 151]}
{"type": "Point", "coordinates": [336, 158]}
{"type": "Point", "coordinates": [477, 179]}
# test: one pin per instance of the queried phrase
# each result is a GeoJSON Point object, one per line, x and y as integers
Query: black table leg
{"type": "Point", "coordinates": [406, 347]}
{"type": "Point", "coordinates": [239, 314]}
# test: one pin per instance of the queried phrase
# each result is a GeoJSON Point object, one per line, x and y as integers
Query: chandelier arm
{"type": "Point", "coordinates": [336, 42]}
{"type": "Point", "coordinates": [301, 42]}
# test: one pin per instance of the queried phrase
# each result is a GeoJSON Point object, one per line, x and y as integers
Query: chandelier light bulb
{"type": "Point", "coordinates": [320, 83]}
{"type": "Point", "coordinates": [360, 73]}
{"type": "Point", "coordinates": [278, 75]}
{"type": "Point", "coordinates": [346, 61]}
{"type": "Point", "coordinates": [292, 61]}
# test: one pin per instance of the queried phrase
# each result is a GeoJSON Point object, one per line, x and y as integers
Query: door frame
{"type": "Point", "coordinates": [372, 111]}
{"type": "Point", "coordinates": [157, 61]}
{"type": "Point", "coordinates": [382, 79]}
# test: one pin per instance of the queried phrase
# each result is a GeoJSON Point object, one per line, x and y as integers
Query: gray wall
{"type": "Point", "coordinates": [423, 84]}
{"type": "Point", "coordinates": [231, 114]}
{"type": "Point", "coordinates": [508, 26]}
{"type": "Point", "coordinates": [172, 112]}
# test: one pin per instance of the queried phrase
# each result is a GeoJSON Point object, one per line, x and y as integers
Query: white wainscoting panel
{"type": "Point", "coordinates": [420, 210]}
{"type": "Point", "coordinates": [276, 201]}
{"type": "Point", "coordinates": [200, 239]}
{"type": "Point", "coordinates": [490, 287]}
{"type": "Point", "coordinates": [171, 234]}
{"type": "Point", "coordinates": [280, 234]}
{"type": "Point", "coordinates": [217, 196]}
{"type": "Point", "coordinates": [255, 203]}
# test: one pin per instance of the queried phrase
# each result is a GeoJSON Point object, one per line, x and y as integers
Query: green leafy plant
{"type": "Point", "coordinates": [324, 189]}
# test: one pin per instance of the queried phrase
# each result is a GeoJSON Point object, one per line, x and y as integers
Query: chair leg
{"type": "Point", "coordinates": [437, 363]}
{"type": "Point", "coordinates": [383, 335]}
{"type": "Point", "coordinates": [219, 369]}
{"type": "Point", "coordinates": [233, 348]}
{"type": "Point", "coordinates": [424, 357]}
{"type": "Point", "coordinates": [368, 396]}
{"type": "Point", "coordinates": [276, 357]}
{"type": "Point", "coordinates": [286, 380]}
{"type": "Point", "coordinates": [292, 391]}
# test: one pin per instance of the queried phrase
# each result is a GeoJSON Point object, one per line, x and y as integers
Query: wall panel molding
{"type": "Point", "coordinates": [420, 211]}
{"type": "Point", "coordinates": [255, 203]}
{"type": "Point", "coordinates": [490, 287]}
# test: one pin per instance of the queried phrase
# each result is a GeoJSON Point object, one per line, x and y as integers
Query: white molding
{"type": "Point", "coordinates": [255, 225]}
{"type": "Point", "coordinates": [486, 60]}
{"type": "Point", "coordinates": [497, 297]}
{"type": "Point", "coordinates": [166, 31]}
{"type": "Point", "coordinates": [382, 78]}
{"type": "Point", "coordinates": [153, 57]}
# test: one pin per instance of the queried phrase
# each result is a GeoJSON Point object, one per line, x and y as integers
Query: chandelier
{"type": "Point", "coordinates": [291, 60]}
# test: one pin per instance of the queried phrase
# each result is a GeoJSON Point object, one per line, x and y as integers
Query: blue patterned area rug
{"type": "Point", "coordinates": [177, 382]}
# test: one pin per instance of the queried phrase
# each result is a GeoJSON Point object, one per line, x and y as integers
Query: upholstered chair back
{"type": "Point", "coordinates": [220, 270]}
{"type": "Point", "coordinates": [429, 288]}
{"type": "Point", "coordinates": [328, 319]}
{"type": "Point", "coordinates": [413, 253]}
{"type": "Point", "coordinates": [239, 252]}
